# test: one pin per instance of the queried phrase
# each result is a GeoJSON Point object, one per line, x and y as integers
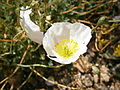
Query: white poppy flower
{"type": "Point", "coordinates": [65, 42]}
{"type": "Point", "coordinates": [31, 28]}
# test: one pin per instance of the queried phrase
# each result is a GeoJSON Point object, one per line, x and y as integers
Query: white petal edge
{"type": "Point", "coordinates": [61, 60]}
{"type": "Point", "coordinates": [82, 32]}
{"type": "Point", "coordinates": [31, 28]}
{"type": "Point", "coordinates": [82, 37]}
{"type": "Point", "coordinates": [59, 30]}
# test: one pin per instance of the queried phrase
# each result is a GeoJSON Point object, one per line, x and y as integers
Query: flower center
{"type": "Point", "coordinates": [66, 48]}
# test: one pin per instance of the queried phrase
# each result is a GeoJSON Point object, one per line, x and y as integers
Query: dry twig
{"type": "Point", "coordinates": [17, 68]}
{"type": "Point", "coordinates": [53, 82]}
{"type": "Point", "coordinates": [9, 40]}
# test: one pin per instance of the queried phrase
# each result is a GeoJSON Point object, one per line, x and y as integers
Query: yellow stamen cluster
{"type": "Point", "coordinates": [66, 48]}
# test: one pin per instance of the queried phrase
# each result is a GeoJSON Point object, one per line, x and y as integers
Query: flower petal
{"type": "Point", "coordinates": [48, 44]}
{"type": "Point", "coordinates": [63, 60]}
{"type": "Point", "coordinates": [81, 33]}
{"type": "Point", "coordinates": [57, 32]}
{"type": "Point", "coordinates": [72, 37]}
{"type": "Point", "coordinates": [82, 49]}
{"type": "Point", "coordinates": [31, 28]}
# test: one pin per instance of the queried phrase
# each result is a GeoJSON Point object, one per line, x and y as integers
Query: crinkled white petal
{"type": "Point", "coordinates": [65, 61]}
{"type": "Point", "coordinates": [62, 60]}
{"type": "Point", "coordinates": [57, 32]}
{"type": "Point", "coordinates": [81, 33]}
{"type": "Point", "coordinates": [78, 32]}
{"type": "Point", "coordinates": [31, 28]}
